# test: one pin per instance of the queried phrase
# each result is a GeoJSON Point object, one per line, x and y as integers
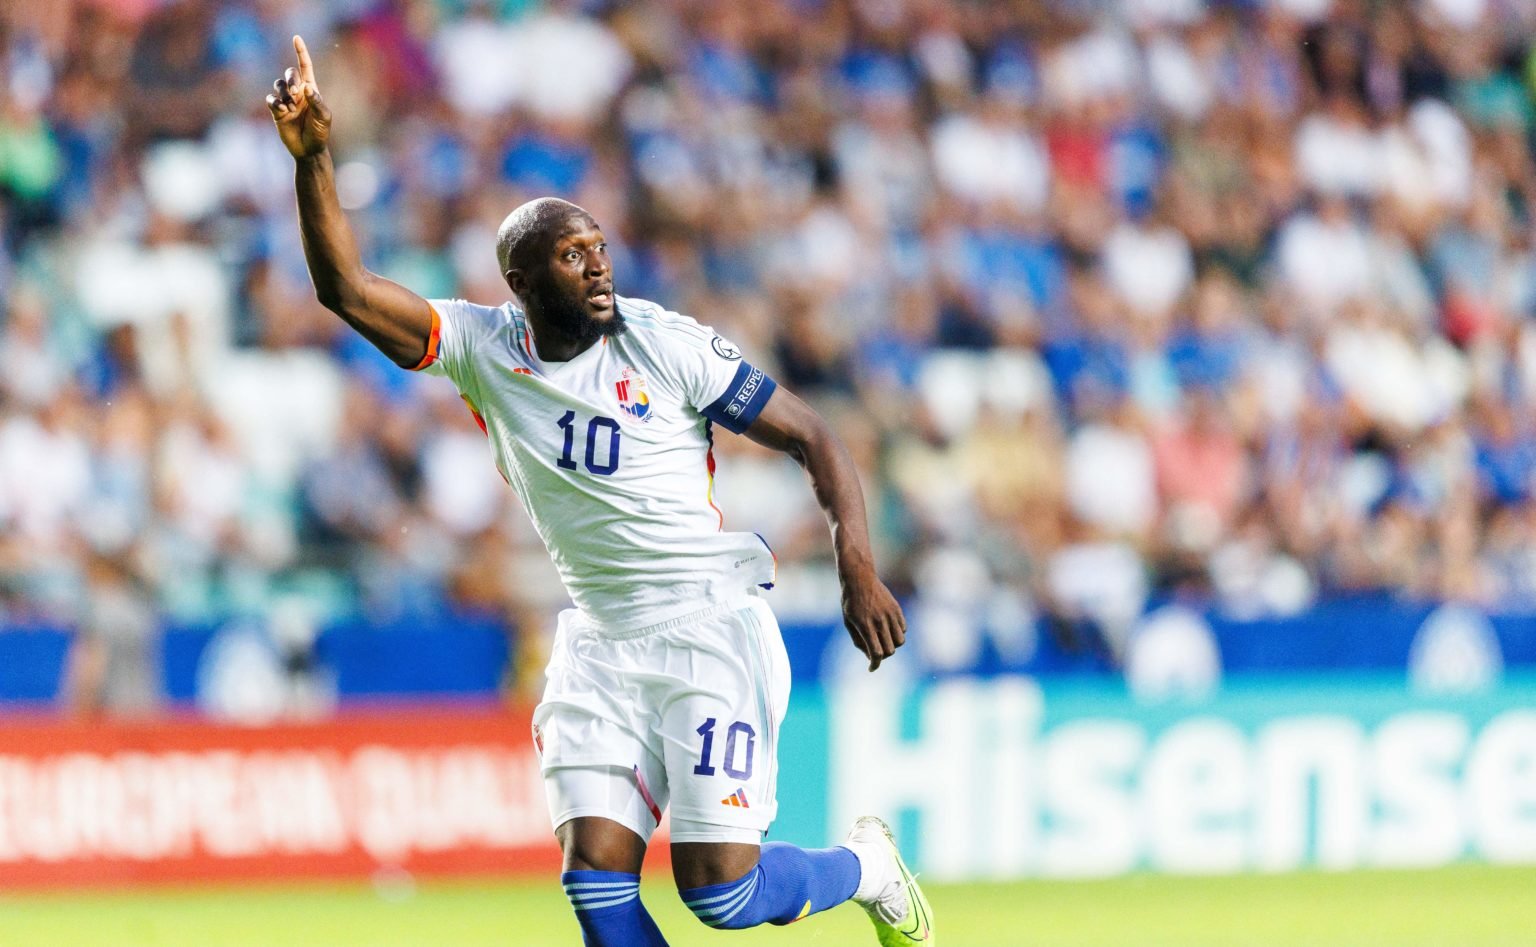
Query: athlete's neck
{"type": "Point", "coordinates": [554, 345]}
{"type": "Point", "coordinates": [567, 334]}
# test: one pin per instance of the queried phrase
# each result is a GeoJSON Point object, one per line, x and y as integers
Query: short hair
{"type": "Point", "coordinates": [527, 232]}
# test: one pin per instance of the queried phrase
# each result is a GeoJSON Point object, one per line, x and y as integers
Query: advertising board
{"type": "Point", "coordinates": [423, 790]}
{"type": "Point", "coordinates": [1004, 779]}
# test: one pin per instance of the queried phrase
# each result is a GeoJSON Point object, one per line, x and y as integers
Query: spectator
{"type": "Point", "coordinates": [113, 662]}
{"type": "Point", "coordinates": [1230, 298]}
{"type": "Point", "coordinates": [1110, 476]}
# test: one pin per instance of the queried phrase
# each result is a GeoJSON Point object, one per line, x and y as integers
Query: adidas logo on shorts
{"type": "Point", "coordinates": [737, 798]}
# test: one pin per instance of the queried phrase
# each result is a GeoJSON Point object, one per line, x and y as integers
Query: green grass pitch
{"type": "Point", "coordinates": [1465, 906]}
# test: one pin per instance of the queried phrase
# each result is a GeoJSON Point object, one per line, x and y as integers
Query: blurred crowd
{"type": "Point", "coordinates": [1115, 301]}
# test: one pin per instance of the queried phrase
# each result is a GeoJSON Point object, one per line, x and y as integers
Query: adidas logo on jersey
{"type": "Point", "coordinates": [737, 798]}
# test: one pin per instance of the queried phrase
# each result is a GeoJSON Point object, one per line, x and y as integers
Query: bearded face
{"type": "Point", "coordinates": [568, 306]}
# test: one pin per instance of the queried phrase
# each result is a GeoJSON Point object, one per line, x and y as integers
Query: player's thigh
{"type": "Point", "coordinates": [720, 735]}
{"type": "Point", "coordinates": [613, 793]}
{"type": "Point", "coordinates": [599, 755]}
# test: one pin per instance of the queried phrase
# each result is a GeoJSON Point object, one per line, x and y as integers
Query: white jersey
{"type": "Point", "coordinates": [611, 452]}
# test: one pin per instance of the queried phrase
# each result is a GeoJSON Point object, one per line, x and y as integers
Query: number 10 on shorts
{"type": "Point", "coordinates": [707, 731]}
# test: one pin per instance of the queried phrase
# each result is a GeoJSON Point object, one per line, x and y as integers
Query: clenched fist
{"type": "Point", "coordinates": [303, 122]}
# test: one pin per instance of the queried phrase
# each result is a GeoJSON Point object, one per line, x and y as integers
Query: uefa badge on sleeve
{"type": "Point", "coordinates": [725, 349]}
{"type": "Point", "coordinates": [633, 397]}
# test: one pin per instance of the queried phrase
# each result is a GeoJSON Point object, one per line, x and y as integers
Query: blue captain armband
{"type": "Point", "coordinates": [743, 400]}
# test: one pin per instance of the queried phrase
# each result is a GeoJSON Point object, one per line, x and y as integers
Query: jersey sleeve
{"type": "Point", "coordinates": [458, 327]}
{"type": "Point", "coordinates": [723, 386]}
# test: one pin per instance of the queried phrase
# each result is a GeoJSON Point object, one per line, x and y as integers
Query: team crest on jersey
{"type": "Point", "coordinates": [633, 397]}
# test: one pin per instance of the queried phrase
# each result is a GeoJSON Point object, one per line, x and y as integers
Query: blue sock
{"type": "Point", "coordinates": [609, 911]}
{"type": "Point", "coordinates": [788, 883]}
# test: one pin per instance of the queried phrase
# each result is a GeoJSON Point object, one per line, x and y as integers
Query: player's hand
{"type": "Point", "coordinates": [303, 121]}
{"type": "Point", "coordinates": [873, 618]}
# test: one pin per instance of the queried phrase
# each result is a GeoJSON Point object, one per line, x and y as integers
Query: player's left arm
{"type": "Point", "coordinates": [870, 611]}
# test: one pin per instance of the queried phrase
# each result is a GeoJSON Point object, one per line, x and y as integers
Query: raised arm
{"type": "Point", "coordinates": [870, 611]}
{"type": "Point", "coordinates": [393, 318]}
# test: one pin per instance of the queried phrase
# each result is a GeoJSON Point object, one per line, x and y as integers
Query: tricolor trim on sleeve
{"type": "Point", "coordinates": [775, 577]}
{"type": "Point", "coordinates": [743, 400]}
{"type": "Point", "coordinates": [433, 338]}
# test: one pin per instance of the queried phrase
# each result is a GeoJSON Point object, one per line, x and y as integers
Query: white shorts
{"type": "Point", "coordinates": [686, 713]}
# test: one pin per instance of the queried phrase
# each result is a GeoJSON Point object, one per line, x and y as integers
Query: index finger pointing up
{"type": "Point", "coordinates": [306, 65]}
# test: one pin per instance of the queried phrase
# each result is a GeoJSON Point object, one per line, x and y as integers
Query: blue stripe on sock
{"type": "Point", "coordinates": [723, 903]}
{"type": "Point", "coordinates": [736, 907]}
{"type": "Point", "coordinates": [598, 905]}
{"type": "Point", "coordinates": [608, 907]}
{"type": "Point", "coordinates": [716, 899]}
{"type": "Point", "coordinates": [720, 909]}
{"type": "Point", "coordinates": [591, 890]}
{"type": "Point", "coordinates": [595, 897]}
{"type": "Point", "coordinates": [580, 896]}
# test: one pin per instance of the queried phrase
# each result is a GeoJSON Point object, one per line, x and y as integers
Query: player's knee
{"type": "Point", "coordinates": [589, 844]}
{"type": "Point", "coordinates": [596, 855]}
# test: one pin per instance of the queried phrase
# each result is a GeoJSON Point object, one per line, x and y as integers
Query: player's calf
{"type": "Point", "coordinates": [787, 884]}
{"type": "Point", "coordinates": [602, 882]}
{"type": "Point", "coordinates": [608, 908]}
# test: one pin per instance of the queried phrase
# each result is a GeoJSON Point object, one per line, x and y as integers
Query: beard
{"type": "Point", "coordinates": [569, 313]}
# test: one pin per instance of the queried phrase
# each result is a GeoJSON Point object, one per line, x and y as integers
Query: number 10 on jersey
{"type": "Point", "coordinates": [595, 444]}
